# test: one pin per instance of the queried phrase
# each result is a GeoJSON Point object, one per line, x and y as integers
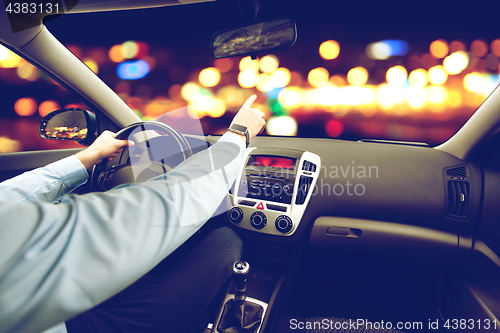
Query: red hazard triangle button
{"type": "Point", "coordinates": [260, 206]}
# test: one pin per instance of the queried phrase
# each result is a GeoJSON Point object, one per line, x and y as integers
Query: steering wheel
{"type": "Point", "coordinates": [154, 155]}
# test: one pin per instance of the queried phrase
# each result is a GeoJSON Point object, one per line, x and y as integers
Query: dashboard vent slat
{"type": "Point", "coordinates": [457, 172]}
{"type": "Point", "coordinates": [309, 166]}
{"type": "Point", "coordinates": [304, 186]}
{"type": "Point", "coordinates": [458, 198]}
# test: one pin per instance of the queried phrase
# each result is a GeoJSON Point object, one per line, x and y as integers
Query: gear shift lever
{"type": "Point", "coordinates": [240, 315]}
{"type": "Point", "coordinates": [240, 275]}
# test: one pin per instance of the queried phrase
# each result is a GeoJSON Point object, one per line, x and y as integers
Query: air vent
{"type": "Point", "coordinates": [304, 186]}
{"type": "Point", "coordinates": [458, 198]}
{"type": "Point", "coordinates": [457, 172]}
{"type": "Point", "coordinates": [308, 166]}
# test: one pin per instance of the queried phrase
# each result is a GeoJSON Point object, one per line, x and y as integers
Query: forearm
{"type": "Point", "coordinates": [85, 257]}
{"type": "Point", "coordinates": [49, 183]}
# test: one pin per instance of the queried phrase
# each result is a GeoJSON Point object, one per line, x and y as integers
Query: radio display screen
{"type": "Point", "coordinates": [274, 162]}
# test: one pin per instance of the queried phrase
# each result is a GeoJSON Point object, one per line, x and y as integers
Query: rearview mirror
{"type": "Point", "coordinates": [69, 124]}
{"type": "Point", "coordinates": [254, 38]}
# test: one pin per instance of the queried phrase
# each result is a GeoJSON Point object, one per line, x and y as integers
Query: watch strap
{"type": "Point", "coordinates": [240, 130]}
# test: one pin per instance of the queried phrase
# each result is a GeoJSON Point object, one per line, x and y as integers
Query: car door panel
{"type": "Point", "coordinates": [13, 164]}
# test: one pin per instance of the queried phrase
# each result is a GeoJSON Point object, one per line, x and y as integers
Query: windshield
{"type": "Point", "coordinates": [356, 71]}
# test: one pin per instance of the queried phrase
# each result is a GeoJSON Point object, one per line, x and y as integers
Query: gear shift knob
{"type": "Point", "coordinates": [240, 275]}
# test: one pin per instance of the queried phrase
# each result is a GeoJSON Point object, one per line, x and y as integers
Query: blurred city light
{"type": "Point", "coordinates": [189, 90]}
{"type": "Point", "coordinates": [388, 96]}
{"type": "Point", "coordinates": [133, 70]}
{"type": "Point", "coordinates": [264, 83]}
{"type": "Point", "coordinates": [456, 46]}
{"type": "Point", "coordinates": [25, 106]}
{"type": "Point", "coordinates": [116, 53]}
{"type": "Point", "coordinates": [338, 80]}
{"type": "Point", "coordinates": [248, 64]}
{"type": "Point", "coordinates": [456, 62]}
{"type": "Point", "coordinates": [396, 76]}
{"type": "Point", "coordinates": [326, 96]}
{"type": "Point", "coordinates": [4, 52]}
{"type": "Point", "coordinates": [130, 49]}
{"type": "Point", "coordinates": [357, 76]}
{"type": "Point", "coordinates": [439, 48]}
{"type": "Point", "coordinates": [479, 48]}
{"type": "Point", "coordinates": [318, 77]}
{"type": "Point", "coordinates": [356, 95]}
{"type": "Point", "coordinates": [290, 97]}
{"type": "Point", "coordinates": [232, 95]}
{"type": "Point", "coordinates": [495, 47]}
{"type": "Point", "coordinates": [47, 107]}
{"type": "Point", "coordinates": [387, 48]}
{"type": "Point", "coordinates": [9, 59]}
{"type": "Point", "coordinates": [437, 75]}
{"type": "Point", "coordinates": [379, 51]}
{"type": "Point", "coordinates": [280, 77]}
{"type": "Point", "coordinates": [209, 77]}
{"type": "Point", "coordinates": [248, 78]}
{"type": "Point", "coordinates": [416, 97]}
{"type": "Point", "coordinates": [94, 67]}
{"type": "Point", "coordinates": [334, 128]}
{"type": "Point", "coordinates": [473, 82]}
{"type": "Point", "coordinates": [329, 50]}
{"type": "Point", "coordinates": [268, 63]}
{"type": "Point", "coordinates": [418, 78]}
{"type": "Point", "coordinates": [27, 72]}
{"type": "Point", "coordinates": [8, 145]}
{"type": "Point", "coordinates": [282, 125]}
{"type": "Point", "coordinates": [218, 108]}
{"type": "Point", "coordinates": [224, 65]}
{"type": "Point", "coordinates": [436, 94]}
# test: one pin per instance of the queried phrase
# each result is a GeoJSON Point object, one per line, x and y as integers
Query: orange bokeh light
{"type": "Point", "coordinates": [116, 53]}
{"type": "Point", "coordinates": [439, 48]}
{"type": "Point", "coordinates": [25, 106]}
{"type": "Point", "coordinates": [224, 65]}
{"type": "Point", "coordinates": [495, 47]}
{"type": "Point", "coordinates": [457, 45]}
{"type": "Point", "coordinates": [47, 107]}
{"type": "Point", "coordinates": [479, 48]}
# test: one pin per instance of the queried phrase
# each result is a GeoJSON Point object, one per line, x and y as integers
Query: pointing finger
{"type": "Point", "coordinates": [250, 101]}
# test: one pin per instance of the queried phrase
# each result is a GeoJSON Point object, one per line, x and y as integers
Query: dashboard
{"type": "Point", "coordinates": [410, 201]}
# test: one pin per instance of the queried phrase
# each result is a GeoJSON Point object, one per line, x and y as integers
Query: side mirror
{"type": "Point", "coordinates": [69, 124]}
{"type": "Point", "coordinates": [250, 39]}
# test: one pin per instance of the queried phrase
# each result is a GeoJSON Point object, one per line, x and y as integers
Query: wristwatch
{"type": "Point", "coordinates": [240, 130]}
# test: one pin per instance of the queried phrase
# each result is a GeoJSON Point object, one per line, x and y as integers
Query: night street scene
{"type": "Point", "coordinates": [364, 70]}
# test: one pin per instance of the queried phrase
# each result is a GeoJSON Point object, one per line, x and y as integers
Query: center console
{"type": "Point", "coordinates": [272, 192]}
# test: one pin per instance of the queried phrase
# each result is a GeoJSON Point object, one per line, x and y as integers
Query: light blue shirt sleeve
{"type": "Point", "coordinates": [60, 260]}
{"type": "Point", "coordinates": [48, 184]}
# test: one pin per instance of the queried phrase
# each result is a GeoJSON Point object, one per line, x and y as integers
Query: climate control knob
{"type": "Point", "coordinates": [258, 220]}
{"type": "Point", "coordinates": [284, 224]}
{"type": "Point", "coordinates": [235, 215]}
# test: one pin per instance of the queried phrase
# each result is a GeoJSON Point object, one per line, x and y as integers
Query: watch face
{"type": "Point", "coordinates": [239, 127]}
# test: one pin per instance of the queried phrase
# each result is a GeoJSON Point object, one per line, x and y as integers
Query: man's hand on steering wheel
{"type": "Point", "coordinates": [105, 146]}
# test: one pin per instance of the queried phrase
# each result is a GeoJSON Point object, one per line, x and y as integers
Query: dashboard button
{"type": "Point", "coordinates": [283, 224]}
{"type": "Point", "coordinates": [235, 215]}
{"type": "Point", "coordinates": [258, 220]}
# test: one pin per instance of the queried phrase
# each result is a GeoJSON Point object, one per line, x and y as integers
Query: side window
{"type": "Point", "coordinates": [26, 96]}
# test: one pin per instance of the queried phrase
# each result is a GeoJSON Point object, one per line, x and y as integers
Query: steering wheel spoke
{"type": "Point", "coordinates": [154, 154]}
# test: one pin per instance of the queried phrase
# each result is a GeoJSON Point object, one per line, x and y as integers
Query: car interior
{"type": "Point", "coordinates": [371, 231]}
